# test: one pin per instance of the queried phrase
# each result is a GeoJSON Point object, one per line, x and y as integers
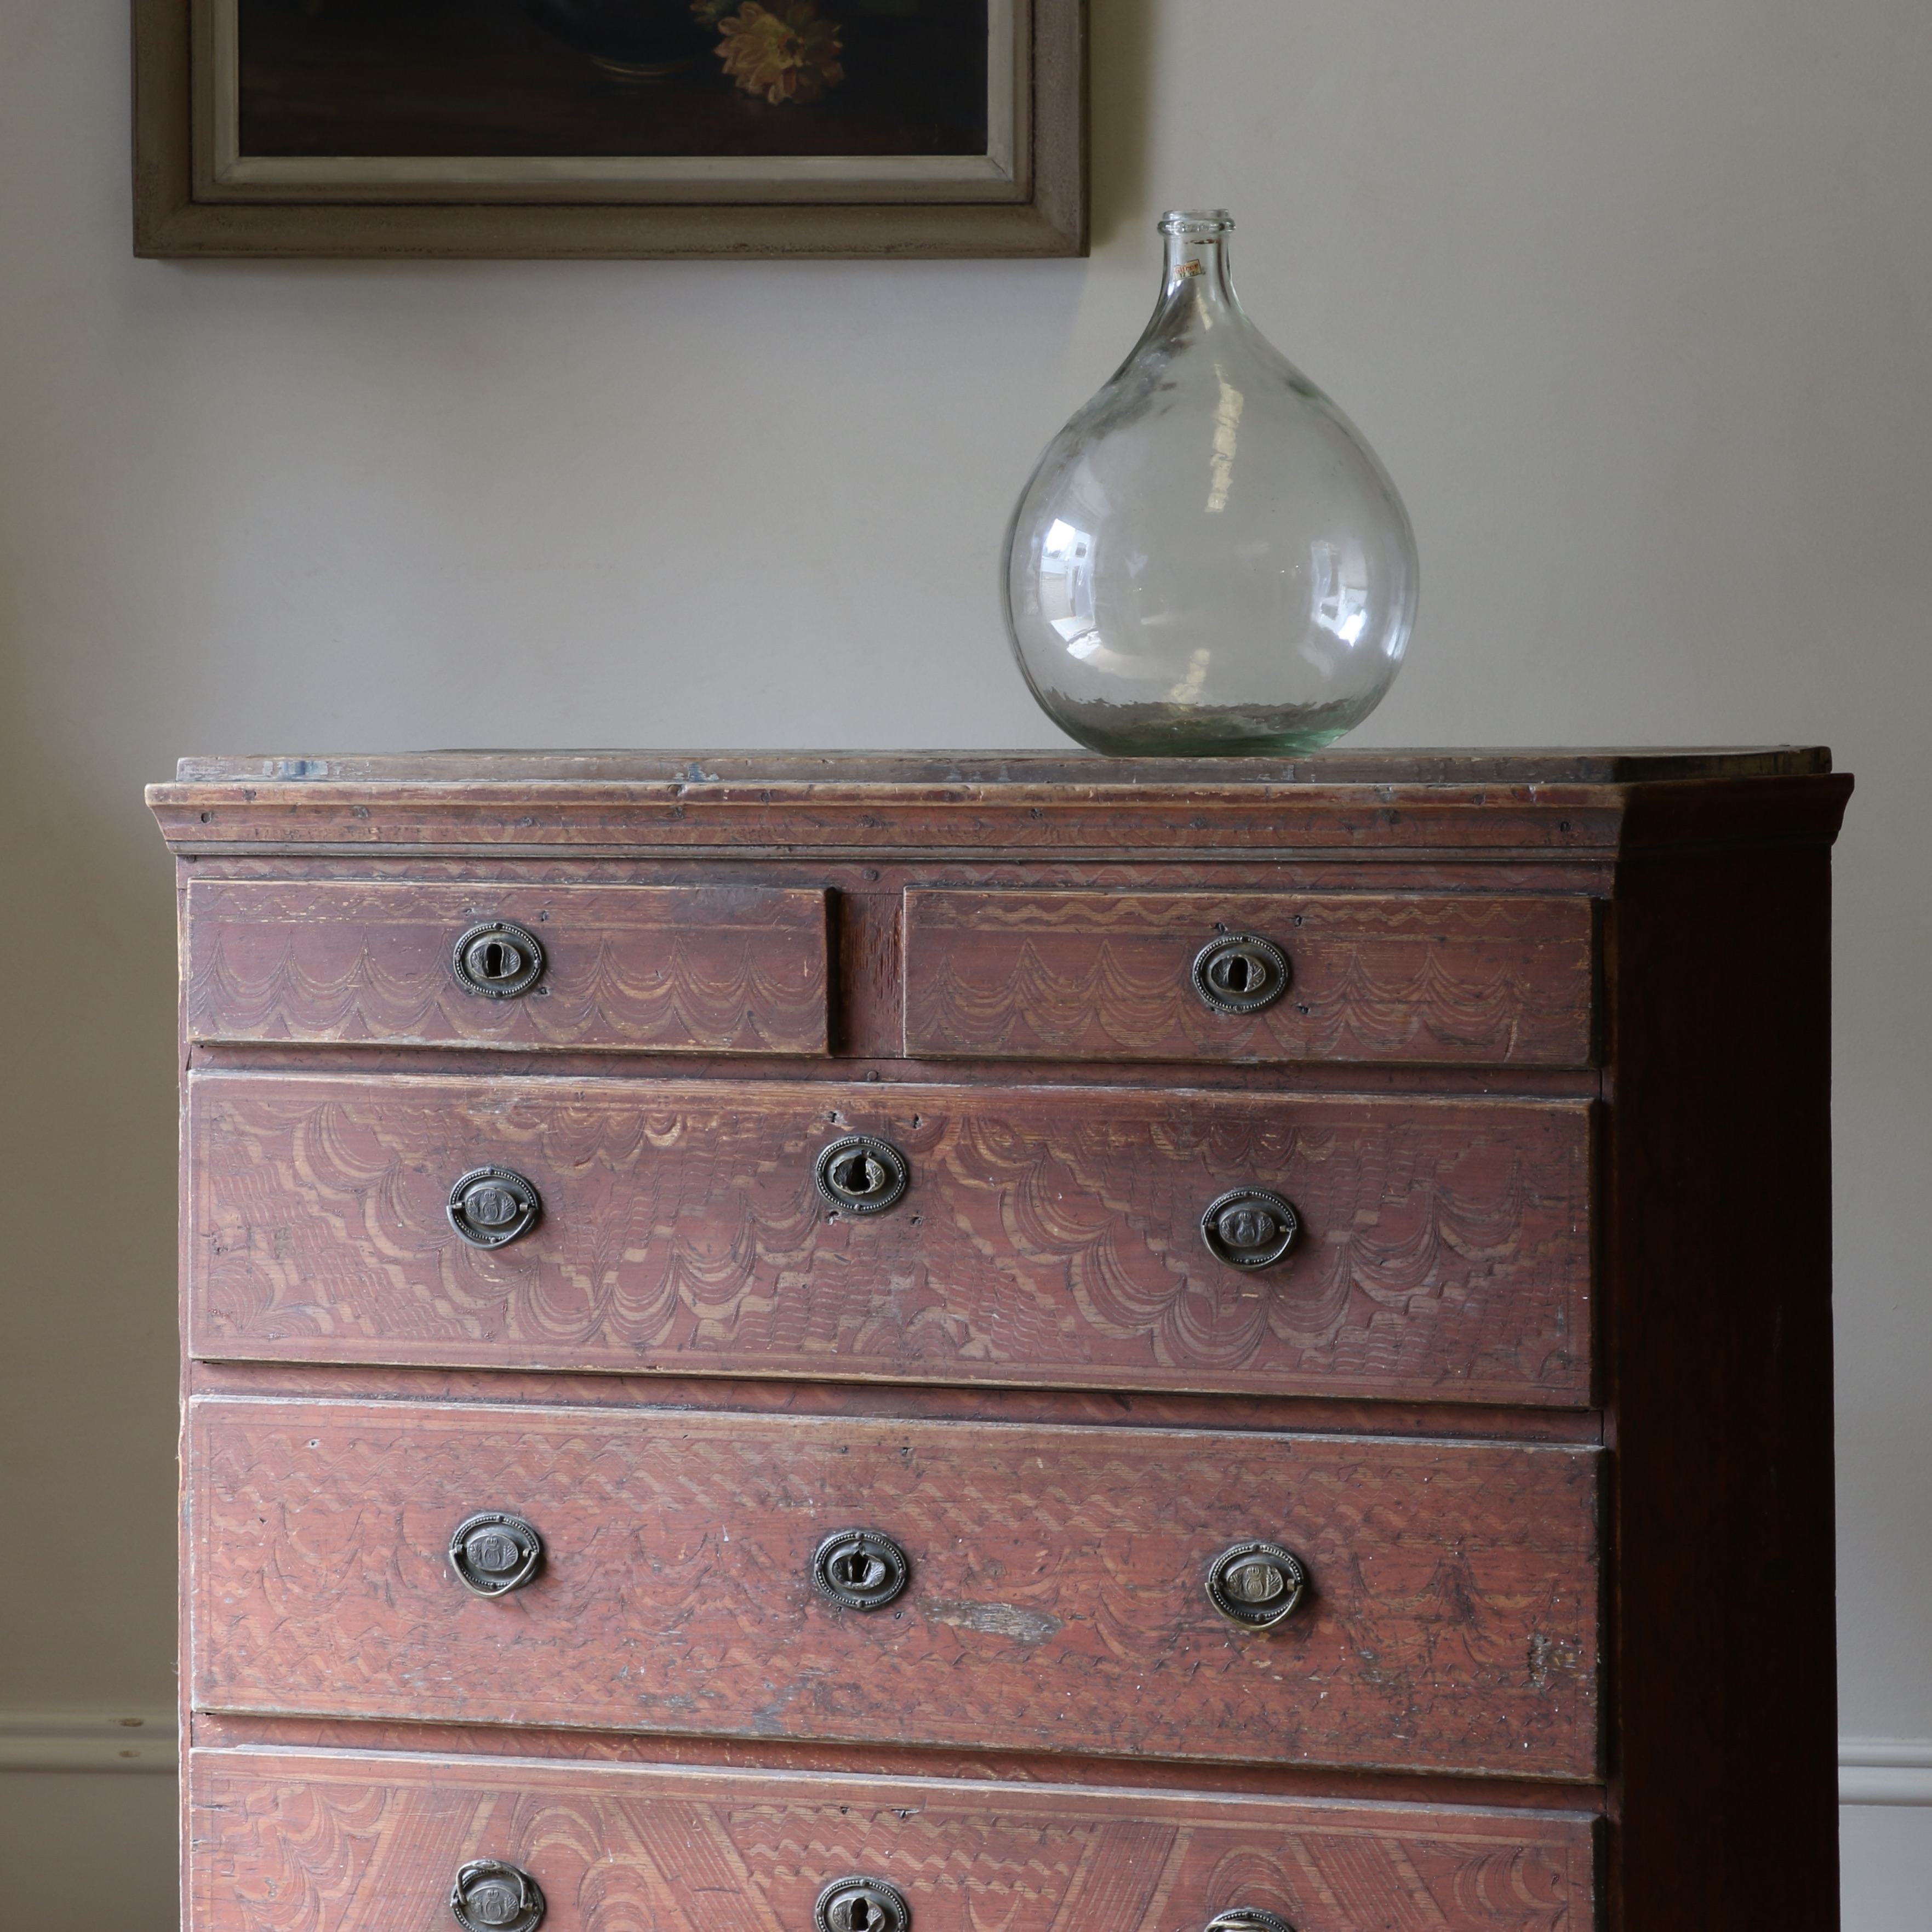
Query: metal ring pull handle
{"type": "Point", "coordinates": [1249, 1227]}
{"type": "Point", "coordinates": [1248, 1918]}
{"type": "Point", "coordinates": [500, 959]}
{"type": "Point", "coordinates": [1240, 972]}
{"type": "Point", "coordinates": [861, 1905]}
{"type": "Point", "coordinates": [860, 1569]}
{"type": "Point", "coordinates": [860, 1174]}
{"type": "Point", "coordinates": [490, 1896]}
{"type": "Point", "coordinates": [1257, 1584]}
{"type": "Point", "coordinates": [493, 1553]}
{"type": "Point", "coordinates": [490, 1206]}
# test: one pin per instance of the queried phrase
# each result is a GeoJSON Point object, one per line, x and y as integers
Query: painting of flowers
{"type": "Point", "coordinates": [364, 80]}
{"type": "Point", "coordinates": [732, 129]}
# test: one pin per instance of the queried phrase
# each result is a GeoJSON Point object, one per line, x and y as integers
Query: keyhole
{"type": "Point", "coordinates": [858, 1571]}
{"type": "Point", "coordinates": [861, 1915]}
{"type": "Point", "coordinates": [1240, 974]}
{"type": "Point", "coordinates": [496, 959]}
{"type": "Point", "coordinates": [859, 1175]}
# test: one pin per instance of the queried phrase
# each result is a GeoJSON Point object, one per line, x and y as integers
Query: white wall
{"type": "Point", "coordinates": [1635, 300]}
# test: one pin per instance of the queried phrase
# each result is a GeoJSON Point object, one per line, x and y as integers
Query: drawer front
{"type": "Point", "coordinates": [307, 1842]}
{"type": "Point", "coordinates": [661, 969]}
{"type": "Point", "coordinates": [1105, 975]}
{"type": "Point", "coordinates": [1058, 1599]}
{"type": "Point", "coordinates": [1048, 1238]}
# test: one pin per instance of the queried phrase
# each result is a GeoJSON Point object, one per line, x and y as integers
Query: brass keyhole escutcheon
{"type": "Point", "coordinates": [859, 1173]}
{"type": "Point", "coordinates": [494, 1552]}
{"type": "Point", "coordinates": [1240, 972]}
{"type": "Point", "coordinates": [1248, 1918]}
{"type": "Point", "coordinates": [490, 1206]}
{"type": "Point", "coordinates": [860, 1569]}
{"type": "Point", "coordinates": [491, 1896]}
{"type": "Point", "coordinates": [1249, 1227]}
{"type": "Point", "coordinates": [1257, 1584]}
{"type": "Point", "coordinates": [861, 1905]}
{"type": "Point", "coordinates": [500, 959]}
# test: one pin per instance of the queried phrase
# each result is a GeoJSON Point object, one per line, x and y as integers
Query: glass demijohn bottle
{"type": "Point", "coordinates": [1209, 558]}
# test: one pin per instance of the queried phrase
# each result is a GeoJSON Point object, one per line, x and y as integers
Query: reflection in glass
{"type": "Point", "coordinates": [1209, 558]}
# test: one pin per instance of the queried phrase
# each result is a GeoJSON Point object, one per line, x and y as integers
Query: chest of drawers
{"type": "Point", "coordinates": [1007, 1343]}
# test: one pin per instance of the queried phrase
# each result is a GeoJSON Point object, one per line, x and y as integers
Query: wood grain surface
{"type": "Point", "coordinates": [671, 969]}
{"type": "Point", "coordinates": [1378, 766]}
{"type": "Point", "coordinates": [1057, 1599]}
{"type": "Point", "coordinates": [1049, 1238]}
{"type": "Point", "coordinates": [693, 1750]}
{"type": "Point", "coordinates": [961, 815]}
{"type": "Point", "coordinates": [316, 1844]}
{"type": "Point", "coordinates": [1063, 975]}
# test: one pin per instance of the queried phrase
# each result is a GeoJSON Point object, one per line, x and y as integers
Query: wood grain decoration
{"type": "Point", "coordinates": [1066, 975]}
{"type": "Point", "coordinates": [664, 969]}
{"type": "Point", "coordinates": [1057, 1599]}
{"type": "Point", "coordinates": [1538, 1397]}
{"type": "Point", "coordinates": [1048, 1238]}
{"type": "Point", "coordinates": [290, 1842]}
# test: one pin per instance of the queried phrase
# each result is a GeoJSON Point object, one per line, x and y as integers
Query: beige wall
{"type": "Point", "coordinates": [1635, 300]}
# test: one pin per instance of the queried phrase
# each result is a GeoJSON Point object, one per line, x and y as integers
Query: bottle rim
{"type": "Point", "coordinates": [1196, 221]}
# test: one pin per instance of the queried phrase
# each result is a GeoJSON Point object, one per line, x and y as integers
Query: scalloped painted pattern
{"type": "Point", "coordinates": [1073, 975]}
{"type": "Point", "coordinates": [667, 969]}
{"type": "Point", "coordinates": [309, 1846]}
{"type": "Point", "coordinates": [1048, 1238]}
{"type": "Point", "coordinates": [1057, 1599]}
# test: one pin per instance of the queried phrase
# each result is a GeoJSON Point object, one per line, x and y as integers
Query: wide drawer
{"type": "Point", "coordinates": [1111, 975]}
{"type": "Point", "coordinates": [661, 969]}
{"type": "Point", "coordinates": [308, 1843]}
{"type": "Point", "coordinates": [1050, 1237]}
{"type": "Point", "coordinates": [1058, 1598]}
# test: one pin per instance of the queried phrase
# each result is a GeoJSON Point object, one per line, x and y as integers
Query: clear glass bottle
{"type": "Point", "coordinates": [1209, 558]}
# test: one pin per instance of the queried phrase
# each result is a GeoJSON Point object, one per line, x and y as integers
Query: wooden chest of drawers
{"type": "Point", "coordinates": [1007, 1343]}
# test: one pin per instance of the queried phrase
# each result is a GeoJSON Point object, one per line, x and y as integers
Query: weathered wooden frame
{"type": "Point", "coordinates": [184, 207]}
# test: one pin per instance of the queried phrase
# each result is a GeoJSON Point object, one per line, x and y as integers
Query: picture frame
{"type": "Point", "coordinates": [733, 129]}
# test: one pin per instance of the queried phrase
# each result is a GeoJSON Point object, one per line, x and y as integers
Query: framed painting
{"type": "Point", "coordinates": [610, 128]}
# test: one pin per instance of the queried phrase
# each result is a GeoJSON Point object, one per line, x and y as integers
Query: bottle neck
{"type": "Point", "coordinates": [1197, 281]}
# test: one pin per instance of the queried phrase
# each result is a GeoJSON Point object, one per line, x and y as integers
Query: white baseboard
{"type": "Point", "coordinates": [1885, 1771]}
{"type": "Point", "coordinates": [87, 1740]}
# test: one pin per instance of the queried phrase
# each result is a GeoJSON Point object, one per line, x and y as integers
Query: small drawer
{"type": "Point", "coordinates": [657, 969]}
{"type": "Point", "coordinates": [1166, 976]}
{"type": "Point", "coordinates": [302, 1842]}
{"type": "Point", "coordinates": [677, 1571]}
{"type": "Point", "coordinates": [1051, 1238]}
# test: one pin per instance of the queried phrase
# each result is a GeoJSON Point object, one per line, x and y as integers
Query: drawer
{"type": "Point", "coordinates": [660, 969]}
{"type": "Point", "coordinates": [1107, 976]}
{"type": "Point", "coordinates": [1048, 1238]}
{"type": "Point", "coordinates": [295, 1842]}
{"type": "Point", "coordinates": [1057, 1600]}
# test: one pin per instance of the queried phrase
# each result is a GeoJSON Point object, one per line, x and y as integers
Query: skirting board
{"type": "Point", "coordinates": [1871, 1770]}
{"type": "Point", "coordinates": [1885, 1771]}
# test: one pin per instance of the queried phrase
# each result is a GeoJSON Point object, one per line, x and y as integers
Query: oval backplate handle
{"type": "Point", "coordinates": [858, 1904]}
{"type": "Point", "coordinates": [1257, 1584]}
{"type": "Point", "coordinates": [491, 1896]}
{"type": "Point", "coordinates": [860, 1569]}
